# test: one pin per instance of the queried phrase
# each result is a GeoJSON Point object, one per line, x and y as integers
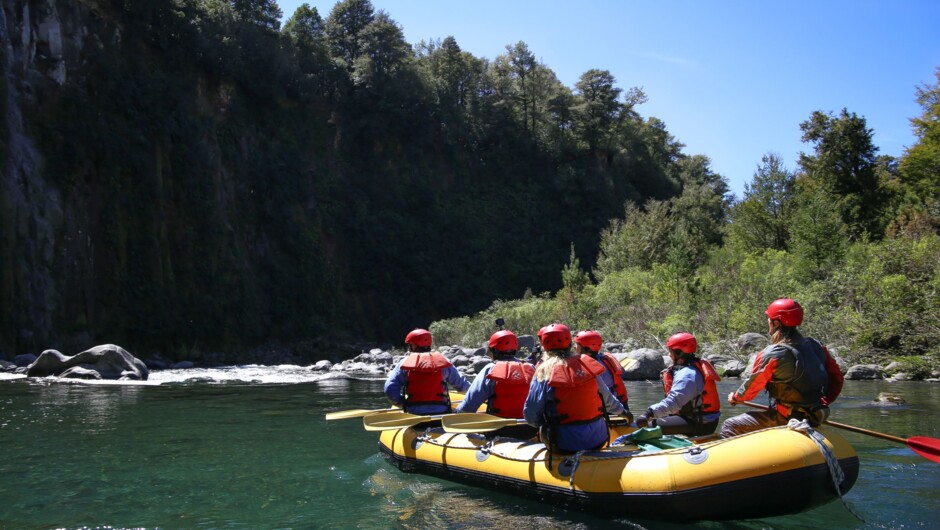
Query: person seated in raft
{"type": "Point", "coordinates": [589, 342]}
{"type": "Point", "coordinates": [566, 401]}
{"type": "Point", "coordinates": [692, 405]}
{"type": "Point", "coordinates": [798, 373]}
{"type": "Point", "coordinates": [502, 384]}
{"type": "Point", "coordinates": [419, 384]}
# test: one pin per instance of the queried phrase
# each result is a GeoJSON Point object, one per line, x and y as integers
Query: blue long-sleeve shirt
{"type": "Point", "coordinates": [571, 437]}
{"type": "Point", "coordinates": [481, 390]}
{"type": "Point", "coordinates": [686, 384]}
{"type": "Point", "coordinates": [398, 377]}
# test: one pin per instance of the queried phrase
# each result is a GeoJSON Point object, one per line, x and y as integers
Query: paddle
{"type": "Point", "coordinates": [356, 413]}
{"type": "Point", "coordinates": [394, 420]}
{"type": "Point", "coordinates": [476, 422]}
{"type": "Point", "coordinates": [926, 447]}
{"type": "Point", "coordinates": [455, 397]}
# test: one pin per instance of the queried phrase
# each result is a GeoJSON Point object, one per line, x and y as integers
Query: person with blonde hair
{"type": "Point", "coordinates": [798, 372]}
{"type": "Point", "coordinates": [566, 401]}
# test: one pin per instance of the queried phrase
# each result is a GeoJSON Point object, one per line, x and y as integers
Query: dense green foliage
{"type": "Point", "coordinates": [210, 179]}
{"type": "Point", "coordinates": [224, 181]}
{"type": "Point", "coordinates": [817, 235]}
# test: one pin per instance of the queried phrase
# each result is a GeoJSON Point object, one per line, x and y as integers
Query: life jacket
{"type": "Point", "coordinates": [706, 402]}
{"type": "Point", "coordinates": [576, 396]}
{"type": "Point", "coordinates": [425, 382]}
{"type": "Point", "coordinates": [511, 388]}
{"type": "Point", "coordinates": [809, 383]}
{"type": "Point", "coordinates": [616, 372]}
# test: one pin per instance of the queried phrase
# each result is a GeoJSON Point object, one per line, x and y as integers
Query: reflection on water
{"type": "Point", "coordinates": [416, 503]}
{"type": "Point", "coordinates": [248, 447]}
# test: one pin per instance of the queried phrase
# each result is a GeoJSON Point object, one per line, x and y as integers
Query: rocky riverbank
{"type": "Point", "coordinates": [341, 360]}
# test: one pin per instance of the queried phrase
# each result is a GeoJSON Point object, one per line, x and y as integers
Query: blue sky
{"type": "Point", "coordinates": [732, 80]}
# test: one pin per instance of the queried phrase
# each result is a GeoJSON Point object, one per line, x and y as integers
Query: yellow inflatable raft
{"type": "Point", "coordinates": [766, 473]}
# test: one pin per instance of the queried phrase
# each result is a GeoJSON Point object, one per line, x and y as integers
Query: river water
{"type": "Point", "coordinates": [248, 447]}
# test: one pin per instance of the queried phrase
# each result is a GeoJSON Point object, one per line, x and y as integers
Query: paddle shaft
{"type": "Point", "coordinates": [357, 413]}
{"type": "Point", "coordinates": [394, 420]}
{"type": "Point", "coordinates": [360, 413]}
{"type": "Point", "coordinates": [852, 428]}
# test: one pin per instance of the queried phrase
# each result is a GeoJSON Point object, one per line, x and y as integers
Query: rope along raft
{"type": "Point", "coordinates": [835, 470]}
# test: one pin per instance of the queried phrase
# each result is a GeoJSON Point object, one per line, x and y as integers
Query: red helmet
{"type": "Point", "coordinates": [787, 311]}
{"type": "Point", "coordinates": [504, 340]}
{"type": "Point", "coordinates": [684, 342]}
{"type": "Point", "coordinates": [589, 339]}
{"type": "Point", "coordinates": [420, 338]}
{"type": "Point", "coordinates": [555, 337]}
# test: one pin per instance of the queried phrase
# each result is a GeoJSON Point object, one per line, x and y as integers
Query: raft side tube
{"type": "Point", "coordinates": [763, 474]}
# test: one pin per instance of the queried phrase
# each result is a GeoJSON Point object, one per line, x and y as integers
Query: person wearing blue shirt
{"type": "Point", "coordinates": [566, 399]}
{"type": "Point", "coordinates": [692, 405]}
{"type": "Point", "coordinates": [420, 382]}
{"type": "Point", "coordinates": [503, 385]}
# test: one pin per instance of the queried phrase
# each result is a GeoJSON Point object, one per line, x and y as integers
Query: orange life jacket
{"type": "Point", "coordinates": [512, 387]}
{"type": "Point", "coordinates": [576, 396]}
{"type": "Point", "coordinates": [425, 386]}
{"type": "Point", "coordinates": [708, 400]}
{"type": "Point", "coordinates": [616, 371]}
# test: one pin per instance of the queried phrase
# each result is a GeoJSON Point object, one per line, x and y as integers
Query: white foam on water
{"type": "Point", "coordinates": [284, 374]}
{"type": "Point", "coordinates": [250, 373]}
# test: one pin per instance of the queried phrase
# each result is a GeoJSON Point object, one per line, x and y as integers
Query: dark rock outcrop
{"type": "Point", "coordinates": [865, 372]}
{"type": "Point", "coordinates": [106, 361]}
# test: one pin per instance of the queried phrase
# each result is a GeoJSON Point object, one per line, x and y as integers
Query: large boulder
{"type": "Point", "coordinates": [108, 361]}
{"type": "Point", "coordinates": [478, 362]}
{"type": "Point", "coordinates": [864, 372]}
{"type": "Point", "coordinates": [641, 364]}
{"type": "Point", "coordinates": [527, 342]}
{"type": "Point", "coordinates": [752, 341]}
{"type": "Point", "coordinates": [733, 368]}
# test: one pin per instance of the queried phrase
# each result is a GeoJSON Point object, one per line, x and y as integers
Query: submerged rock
{"type": "Point", "coordinates": [888, 399]}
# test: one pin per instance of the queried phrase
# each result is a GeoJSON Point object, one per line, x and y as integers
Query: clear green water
{"type": "Point", "coordinates": [220, 451]}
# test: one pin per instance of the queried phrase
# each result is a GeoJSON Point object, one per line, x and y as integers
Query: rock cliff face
{"type": "Point", "coordinates": [32, 59]}
{"type": "Point", "coordinates": [134, 203]}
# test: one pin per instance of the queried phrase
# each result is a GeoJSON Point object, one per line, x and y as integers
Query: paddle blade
{"type": "Point", "coordinates": [628, 362]}
{"type": "Point", "coordinates": [473, 423]}
{"type": "Point", "coordinates": [355, 413]}
{"type": "Point", "coordinates": [928, 448]}
{"type": "Point", "coordinates": [392, 420]}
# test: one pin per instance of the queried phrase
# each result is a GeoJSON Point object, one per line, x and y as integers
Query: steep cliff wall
{"type": "Point", "coordinates": [32, 61]}
{"type": "Point", "coordinates": [138, 198]}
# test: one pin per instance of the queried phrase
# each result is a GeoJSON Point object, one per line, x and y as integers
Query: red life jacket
{"type": "Point", "coordinates": [576, 396]}
{"type": "Point", "coordinates": [616, 372]}
{"type": "Point", "coordinates": [425, 386]}
{"type": "Point", "coordinates": [512, 387]}
{"type": "Point", "coordinates": [708, 400]}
